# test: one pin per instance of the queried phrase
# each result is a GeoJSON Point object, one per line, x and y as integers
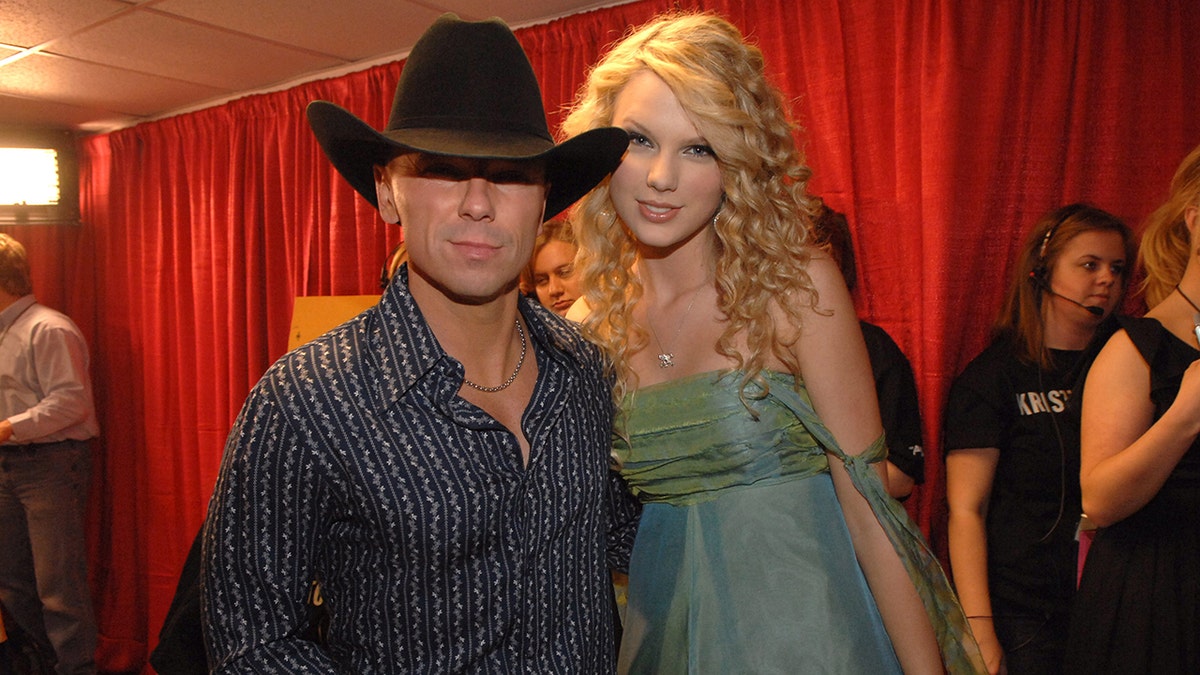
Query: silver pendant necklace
{"type": "Point", "coordinates": [666, 358]}
{"type": "Point", "coordinates": [511, 378]}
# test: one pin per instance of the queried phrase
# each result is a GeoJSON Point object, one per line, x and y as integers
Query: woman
{"type": "Point", "coordinates": [551, 273]}
{"type": "Point", "coordinates": [1138, 609]}
{"type": "Point", "coordinates": [748, 413]}
{"type": "Point", "coordinates": [1012, 444]}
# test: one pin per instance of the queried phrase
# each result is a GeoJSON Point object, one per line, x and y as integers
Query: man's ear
{"type": "Point", "coordinates": [385, 197]}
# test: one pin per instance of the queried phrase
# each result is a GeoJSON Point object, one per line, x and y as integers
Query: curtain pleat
{"type": "Point", "coordinates": [942, 128]}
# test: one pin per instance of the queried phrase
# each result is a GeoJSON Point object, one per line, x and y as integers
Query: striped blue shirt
{"type": "Point", "coordinates": [354, 462]}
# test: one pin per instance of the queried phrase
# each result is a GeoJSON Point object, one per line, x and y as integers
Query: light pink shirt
{"type": "Point", "coordinates": [45, 389]}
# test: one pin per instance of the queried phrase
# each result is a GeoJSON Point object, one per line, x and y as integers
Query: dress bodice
{"type": "Point", "coordinates": [1168, 358]}
{"type": "Point", "coordinates": [692, 439]}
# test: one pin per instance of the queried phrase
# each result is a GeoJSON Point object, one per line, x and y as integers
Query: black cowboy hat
{"type": "Point", "coordinates": [468, 90]}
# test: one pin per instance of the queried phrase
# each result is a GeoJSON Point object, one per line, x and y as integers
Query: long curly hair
{"type": "Point", "coordinates": [1020, 318]}
{"type": "Point", "coordinates": [1166, 245]}
{"type": "Point", "coordinates": [762, 230]}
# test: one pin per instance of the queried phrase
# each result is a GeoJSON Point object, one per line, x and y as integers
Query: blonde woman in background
{"type": "Point", "coordinates": [749, 426]}
{"type": "Point", "coordinates": [550, 276]}
{"type": "Point", "coordinates": [1138, 607]}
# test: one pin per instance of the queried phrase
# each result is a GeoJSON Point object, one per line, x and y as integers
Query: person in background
{"type": "Point", "coordinates": [47, 419]}
{"type": "Point", "coordinates": [895, 386]}
{"type": "Point", "coordinates": [1138, 607]}
{"type": "Point", "coordinates": [1012, 442]}
{"type": "Point", "coordinates": [748, 422]}
{"type": "Point", "coordinates": [551, 273]}
{"type": "Point", "coordinates": [440, 463]}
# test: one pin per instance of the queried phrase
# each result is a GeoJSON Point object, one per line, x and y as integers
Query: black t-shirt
{"type": "Point", "coordinates": [1000, 402]}
{"type": "Point", "coordinates": [898, 406]}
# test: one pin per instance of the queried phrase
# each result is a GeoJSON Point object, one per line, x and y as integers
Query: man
{"type": "Point", "coordinates": [440, 463]}
{"type": "Point", "coordinates": [46, 420]}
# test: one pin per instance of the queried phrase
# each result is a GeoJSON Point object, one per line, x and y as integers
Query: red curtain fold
{"type": "Point", "coordinates": [942, 129]}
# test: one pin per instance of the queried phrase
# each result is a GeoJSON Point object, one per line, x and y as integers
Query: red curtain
{"type": "Point", "coordinates": [942, 129]}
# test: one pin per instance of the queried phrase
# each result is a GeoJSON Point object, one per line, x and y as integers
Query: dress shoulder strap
{"type": "Point", "coordinates": [960, 653]}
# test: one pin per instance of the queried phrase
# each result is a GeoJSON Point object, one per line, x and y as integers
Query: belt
{"type": "Point", "coordinates": [34, 447]}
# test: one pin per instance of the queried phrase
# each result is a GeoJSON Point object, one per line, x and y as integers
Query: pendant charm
{"type": "Point", "coordinates": [666, 360]}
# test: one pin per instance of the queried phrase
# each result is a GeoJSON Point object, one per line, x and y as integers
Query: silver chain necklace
{"type": "Point", "coordinates": [511, 378]}
{"type": "Point", "coordinates": [666, 358]}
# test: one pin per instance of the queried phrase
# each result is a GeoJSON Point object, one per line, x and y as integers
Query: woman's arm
{"type": "Point", "coordinates": [969, 476]}
{"type": "Point", "coordinates": [833, 361]}
{"type": "Point", "coordinates": [1126, 456]}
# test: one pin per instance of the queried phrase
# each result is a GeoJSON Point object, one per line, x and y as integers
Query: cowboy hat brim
{"type": "Point", "coordinates": [573, 167]}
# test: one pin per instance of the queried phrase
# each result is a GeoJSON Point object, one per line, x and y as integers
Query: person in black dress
{"type": "Point", "coordinates": [1138, 606]}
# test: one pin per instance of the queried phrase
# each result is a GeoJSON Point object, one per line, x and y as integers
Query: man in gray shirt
{"type": "Point", "coordinates": [46, 420]}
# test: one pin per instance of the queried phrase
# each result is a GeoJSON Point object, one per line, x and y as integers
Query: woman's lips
{"type": "Point", "coordinates": [657, 213]}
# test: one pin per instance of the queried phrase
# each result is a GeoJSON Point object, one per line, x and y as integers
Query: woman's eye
{"type": "Point", "coordinates": [637, 139]}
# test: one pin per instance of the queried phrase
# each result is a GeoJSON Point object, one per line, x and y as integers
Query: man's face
{"type": "Point", "coordinates": [469, 224]}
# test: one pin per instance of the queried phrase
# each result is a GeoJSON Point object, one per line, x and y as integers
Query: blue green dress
{"type": "Point", "coordinates": [743, 561]}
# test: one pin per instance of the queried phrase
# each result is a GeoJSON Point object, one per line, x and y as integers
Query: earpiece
{"type": "Point", "coordinates": [1039, 270]}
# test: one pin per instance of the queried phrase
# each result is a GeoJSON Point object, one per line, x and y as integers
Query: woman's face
{"type": "Point", "coordinates": [554, 278]}
{"type": "Point", "coordinates": [1090, 270]}
{"type": "Point", "coordinates": [668, 187]}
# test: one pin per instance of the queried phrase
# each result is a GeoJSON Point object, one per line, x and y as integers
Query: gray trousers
{"type": "Point", "coordinates": [43, 548]}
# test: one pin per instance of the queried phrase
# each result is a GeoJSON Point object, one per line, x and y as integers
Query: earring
{"type": "Point", "coordinates": [720, 208]}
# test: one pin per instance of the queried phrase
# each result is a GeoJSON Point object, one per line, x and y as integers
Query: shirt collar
{"type": "Point", "coordinates": [10, 313]}
{"type": "Point", "coordinates": [406, 350]}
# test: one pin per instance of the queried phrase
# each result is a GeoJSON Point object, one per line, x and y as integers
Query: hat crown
{"type": "Point", "coordinates": [467, 90]}
{"type": "Point", "coordinates": [469, 76]}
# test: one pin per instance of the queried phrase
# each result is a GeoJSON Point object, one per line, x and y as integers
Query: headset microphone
{"type": "Point", "coordinates": [1096, 311]}
{"type": "Point", "coordinates": [1040, 281]}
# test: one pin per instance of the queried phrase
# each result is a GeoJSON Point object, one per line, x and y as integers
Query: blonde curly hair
{"type": "Point", "coordinates": [1166, 243]}
{"type": "Point", "coordinates": [762, 230]}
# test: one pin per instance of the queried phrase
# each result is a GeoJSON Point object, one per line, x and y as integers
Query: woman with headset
{"type": "Point", "coordinates": [1012, 444]}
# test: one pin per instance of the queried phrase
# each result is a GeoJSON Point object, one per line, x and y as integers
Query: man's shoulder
{"type": "Point", "coordinates": [43, 318]}
{"type": "Point", "coordinates": [324, 364]}
{"type": "Point", "coordinates": [562, 336]}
